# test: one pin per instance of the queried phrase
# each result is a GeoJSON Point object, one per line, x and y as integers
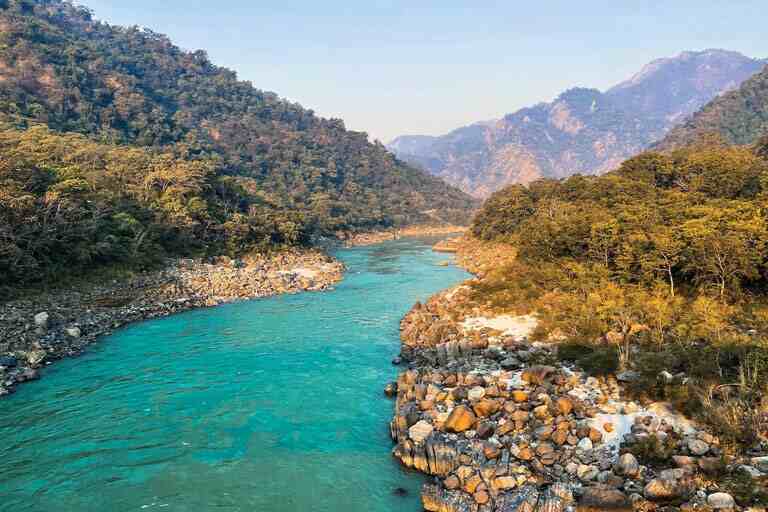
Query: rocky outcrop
{"type": "Point", "coordinates": [40, 329]}
{"type": "Point", "coordinates": [500, 425]}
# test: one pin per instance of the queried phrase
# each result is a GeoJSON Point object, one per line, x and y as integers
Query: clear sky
{"type": "Point", "coordinates": [426, 67]}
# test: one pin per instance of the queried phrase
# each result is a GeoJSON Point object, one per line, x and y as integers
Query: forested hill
{"type": "Point", "coordinates": [660, 266]}
{"type": "Point", "coordinates": [222, 164]}
{"type": "Point", "coordinates": [738, 117]}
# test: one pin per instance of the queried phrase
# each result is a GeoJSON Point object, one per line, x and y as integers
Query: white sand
{"type": "Point", "coordinates": [516, 326]}
{"type": "Point", "coordinates": [307, 273]}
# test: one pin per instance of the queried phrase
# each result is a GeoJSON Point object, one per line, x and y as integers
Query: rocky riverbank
{"type": "Point", "coordinates": [376, 237]}
{"type": "Point", "coordinates": [501, 425]}
{"type": "Point", "coordinates": [38, 330]}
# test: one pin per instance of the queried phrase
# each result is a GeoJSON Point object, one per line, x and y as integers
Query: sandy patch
{"type": "Point", "coordinates": [516, 326]}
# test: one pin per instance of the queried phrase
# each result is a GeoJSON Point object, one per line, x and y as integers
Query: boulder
{"type": "Point", "coordinates": [73, 332]}
{"type": "Point", "coordinates": [390, 389]}
{"type": "Point", "coordinates": [602, 498]}
{"type": "Point", "coordinates": [627, 465]}
{"type": "Point", "coordinates": [720, 501]}
{"type": "Point", "coordinates": [452, 482]}
{"type": "Point", "coordinates": [537, 374]}
{"type": "Point", "coordinates": [503, 483]}
{"type": "Point", "coordinates": [485, 407]}
{"type": "Point", "coordinates": [664, 489]}
{"type": "Point", "coordinates": [41, 320]}
{"type": "Point", "coordinates": [627, 376]}
{"type": "Point", "coordinates": [485, 429]}
{"type": "Point", "coordinates": [519, 396]}
{"type": "Point", "coordinates": [460, 419]}
{"type": "Point", "coordinates": [420, 431]}
{"type": "Point", "coordinates": [435, 499]}
{"type": "Point", "coordinates": [587, 473]}
{"type": "Point", "coordinates": [481, 497]}
{"type": "Point", "coordinates": [476, 393]}
{"type": "Point", "coordinates": [491, 451]}
{"type": "Point", "coordinates": [697, 446]}
{"type": "Point", "coordinates": [585, 444]}
{"type": "Point", "coordinates": [564, 406]}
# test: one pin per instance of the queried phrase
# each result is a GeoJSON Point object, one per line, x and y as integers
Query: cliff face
{"type": "Point", "coordinates": [583, 131]}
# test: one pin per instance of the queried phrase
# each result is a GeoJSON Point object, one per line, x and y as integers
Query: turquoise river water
{"type": "Point", "coordinates": [268, 405]}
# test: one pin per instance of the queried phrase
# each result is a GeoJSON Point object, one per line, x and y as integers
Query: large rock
{"type": "Point", "coordinates": [41, 320]}
{"type": "Point", "coordinates": [460, 419]}
{"type": "Point", "coordinates": [602, 498]}
{"type": "Point", "coordinates": [698, 447]}
{"type": "Point", "coordinates": [721, 501]}
{"type": "Point", "coordinates": [476, 393]}
{"type": "Point", "coordinates": [628, 465]}
{"type": "Point", "coordinates": [564, 406]}
{"type": "Point", "coordinates": [537, 374]}
{"type": "Point", "coordinates": [664, 489]}
{"type": "Point", "coordinates": [486, 407]}
{"type": "Point", "coordinates": [420, 431]}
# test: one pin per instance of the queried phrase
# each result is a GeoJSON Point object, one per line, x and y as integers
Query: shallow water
{"type": "Point", "coordinates": [266, 405]}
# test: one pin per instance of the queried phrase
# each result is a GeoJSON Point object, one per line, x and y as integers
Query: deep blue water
{"type": "Point", "coordinates": [265, 405]}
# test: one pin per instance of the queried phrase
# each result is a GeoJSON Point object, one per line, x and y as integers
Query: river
{"type": "Point", "coordinates": [268, 405]}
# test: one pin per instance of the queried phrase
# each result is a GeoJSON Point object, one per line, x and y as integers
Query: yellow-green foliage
{"type": "Point", "coordinates": [664, 257]}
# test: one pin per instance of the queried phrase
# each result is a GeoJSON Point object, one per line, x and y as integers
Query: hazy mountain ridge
{"type": "Point", "coordinates": [738, 117]}
{"type": "Point", "coordinates": [583, 131]}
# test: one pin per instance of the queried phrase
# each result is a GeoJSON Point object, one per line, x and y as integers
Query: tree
{"type": "Point", "coordinates": [664, 254]}
{"type": "Point", "coordinates": [726, 245]}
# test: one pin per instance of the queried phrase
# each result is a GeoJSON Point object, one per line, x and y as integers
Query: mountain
{"type": "Point", "coordinates": [583, 131]}
{"type": "Point", "coordinates": [145, 145]}
{"type": "Point", "coordinates": [738, 117]}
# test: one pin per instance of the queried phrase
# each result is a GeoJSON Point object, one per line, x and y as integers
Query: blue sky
{"type": "Point", "coordinates": [412, 67]}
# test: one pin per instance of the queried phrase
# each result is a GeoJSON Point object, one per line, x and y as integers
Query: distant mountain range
{"type": "Point", "coordinates": [583, 131]}
{"type": "Point", "coordinates": [738, 117]}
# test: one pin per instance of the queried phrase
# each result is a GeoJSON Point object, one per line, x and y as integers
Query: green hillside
{"type": "Point", "coordinates": [222, 165]}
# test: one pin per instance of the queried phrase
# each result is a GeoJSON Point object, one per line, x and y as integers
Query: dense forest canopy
{"type": "Point", "coordinates": [174, 154]}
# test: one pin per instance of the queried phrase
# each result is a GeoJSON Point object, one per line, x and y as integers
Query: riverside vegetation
{"type": "Point", "coordinates": [603, 307]}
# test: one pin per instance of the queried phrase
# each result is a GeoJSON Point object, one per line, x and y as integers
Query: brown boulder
{"type": "Point", "coordinates": [602, 498]}
{"type": "Point", "coordinates": [481, 497]}
{"type": "Point", "coordinates": [486, 407]}
{"type": "Point", "coordinates": [491, 450]}
{"type": "Point", "coordinates": [452, 482]}
{"type": "Point", "coordinates": [471, 483]}
{"type": "Point", "coordinates": [460, 419]}
{"type": "Point", "coordinates": [560, 437]}
{"type": "Point", "coordinates": [524, 454]}
{"type": "Point", "coordinates": [519, 396]}
{"type": "Point", "coordinates": [564, 406]}
{"type": "Point", "coordinates": [537, 374]}
{"type": "Point", "coordinates": [485, 429]}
